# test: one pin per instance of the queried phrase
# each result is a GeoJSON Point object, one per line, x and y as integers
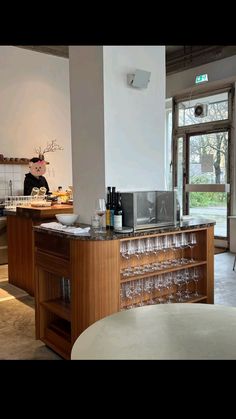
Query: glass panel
{"type": "Point", "coordinates": [208, 158]}
{"type": "Point", "coordinates": [180, 161]}
{"type": "Point", "coordinates": [208, 165]}
{"type": "Point", "coordinates": [146, 207]}
{"type": "Point", "coordinates": [215, 109]}
{"type": "Point", "coordinates": [168, 170]}
{"type": "Point", "coordinates": [210, 205]}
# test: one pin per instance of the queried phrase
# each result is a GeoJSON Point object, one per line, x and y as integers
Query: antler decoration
{"type": "Point", "coordinates": [52, 146]}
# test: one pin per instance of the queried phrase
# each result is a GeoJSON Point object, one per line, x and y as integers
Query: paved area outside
{"type": "Point", "coordinates": [218, 214]}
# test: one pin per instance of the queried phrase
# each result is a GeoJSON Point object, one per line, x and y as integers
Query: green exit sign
{"type": "Point", "coordinates": [201, 78]}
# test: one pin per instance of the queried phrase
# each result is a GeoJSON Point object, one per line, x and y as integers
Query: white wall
{"type": "Point", "coordinates": [134, 118]}
{"type": "Point", "coordinates": [118, 132]}
{"type": "Point", "coordinates": [35, 109]}
{"type": "Point", "coordinates": [217, 71]}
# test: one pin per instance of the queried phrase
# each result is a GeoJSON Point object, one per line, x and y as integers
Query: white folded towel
{"type": "Point", "coordinates": [68, 229]}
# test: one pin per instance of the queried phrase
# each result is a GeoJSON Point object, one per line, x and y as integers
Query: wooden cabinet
{"type": "Point", "coordinates": [94, 270]}
{"type": "Point", "coordinates": [3, 241]}
{"type": "Point", "coordinates": [20, 237]}
{"type": "Point", "coordinates": [53, 310]}
{"type": "Point", "coordinates": [92, 267]}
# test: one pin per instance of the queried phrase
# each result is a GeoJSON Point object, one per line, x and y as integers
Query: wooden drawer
{"type": "Point", "coordinates": [53, 244]}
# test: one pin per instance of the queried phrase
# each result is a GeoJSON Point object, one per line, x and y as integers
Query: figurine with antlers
{"type": "Point", "coordinates": [52, 146]}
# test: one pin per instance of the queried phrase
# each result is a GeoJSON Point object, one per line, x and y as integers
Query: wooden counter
{"type": "Point", "coordinates": [3, 240]}
{"type": "Point", "coordinates": [92, 267]}
{"type": "Point", "coordinates": [20, 237]}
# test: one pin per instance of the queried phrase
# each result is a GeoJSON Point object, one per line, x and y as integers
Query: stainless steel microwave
{"type": "Point", "coordinates": [148, 209]}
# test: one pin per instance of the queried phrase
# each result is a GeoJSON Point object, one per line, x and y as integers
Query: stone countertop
{"type": "Point", "coordinates": [110, 235]}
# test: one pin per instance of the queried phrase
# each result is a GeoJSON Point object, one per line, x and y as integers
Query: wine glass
{"type": "Point", "coordinates": [191, 243]}
{"type": "Point", "coordinates": [100, 208]}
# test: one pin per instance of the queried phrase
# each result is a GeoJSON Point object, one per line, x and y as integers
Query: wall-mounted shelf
{"type": "Point", "coordinates": [14, 160]}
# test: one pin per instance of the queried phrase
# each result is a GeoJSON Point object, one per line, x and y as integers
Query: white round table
{"type": "Point", "coordinates": [166, 331]}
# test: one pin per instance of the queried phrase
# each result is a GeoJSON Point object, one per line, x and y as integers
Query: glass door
{"type": "Point", "coordinates": [201, 154]}
{"type": "Point", "coordinates": [206, 188]}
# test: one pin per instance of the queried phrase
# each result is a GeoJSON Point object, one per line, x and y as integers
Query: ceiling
{"type": "Point", "coordinates": [178, 57]}
{"type": "Point", "coordinates": [182, 57]}
{"type": "Point", "coordinates": [59, 50]}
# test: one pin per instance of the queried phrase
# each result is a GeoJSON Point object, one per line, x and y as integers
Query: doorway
{"type": "Point", "coordinates": [201, 156]}
{"type": "Point", "coordinates": [206, 179]}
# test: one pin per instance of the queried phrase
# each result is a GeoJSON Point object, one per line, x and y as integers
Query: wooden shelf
{"type": "Point", "coordinates": [62, 328]}
{"type": "Point", "coordinates": [58, 339]}
{"type": "Point", "coordinates": [162, 271]}
{"type": "Point", "coordinates": [190, 300]}
{"type": "Point", "coordinates": [20, 161]}
{"type": "Point", "coordinates": [200, 298]}
{"type": "Point", "coordinates": [58, 307]}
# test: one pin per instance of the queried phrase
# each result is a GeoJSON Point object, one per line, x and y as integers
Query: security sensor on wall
{"type": "Point", "coordinates": [139, 79]}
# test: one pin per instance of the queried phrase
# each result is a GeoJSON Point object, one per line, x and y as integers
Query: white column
{"type": "Point", "coordinates": [87, 128]}
{"type": "Point", "coordinates": [118, 132]}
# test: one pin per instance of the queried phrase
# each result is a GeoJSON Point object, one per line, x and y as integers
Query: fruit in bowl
{"type": "Point", "coordinates": [67, 219]}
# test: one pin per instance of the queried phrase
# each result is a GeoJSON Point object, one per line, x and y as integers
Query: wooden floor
{"type": "Point", "coordinates": [3, 272]}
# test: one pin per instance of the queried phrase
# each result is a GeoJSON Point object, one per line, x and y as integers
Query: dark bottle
{"type": "Point", "coordinates": [118, 215]}
{"type": "Point", "coordinates": [113, 206]}
{"type": "Point", "coordinates": [108, 208]}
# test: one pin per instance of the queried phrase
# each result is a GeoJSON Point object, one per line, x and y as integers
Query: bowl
{"type": "Point", "coordinates": [67, 219]}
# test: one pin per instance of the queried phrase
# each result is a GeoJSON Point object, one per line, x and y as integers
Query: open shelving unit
{"type": "Point", "coordinates": [53, 311]}
{"type": "Point", "coordinates": [201, 261]}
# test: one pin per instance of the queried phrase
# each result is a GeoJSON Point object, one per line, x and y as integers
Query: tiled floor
{"type": "Point", "coordinates": [17, 337]}
{"type": "Point", "coordinates": [225, 280]}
